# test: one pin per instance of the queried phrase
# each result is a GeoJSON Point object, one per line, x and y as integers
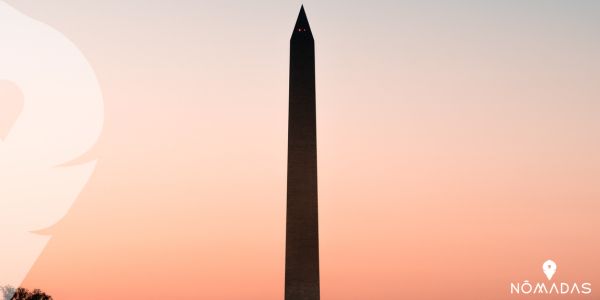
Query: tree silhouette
{"type": "Point", "coordinates": [10, 293]}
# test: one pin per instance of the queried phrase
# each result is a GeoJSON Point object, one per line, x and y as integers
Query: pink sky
{"type": "Point", "coordinates": [458, 149]}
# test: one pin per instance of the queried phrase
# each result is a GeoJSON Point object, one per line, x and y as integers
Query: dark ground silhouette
{"type": "Point", "coordinates": [11, 293]}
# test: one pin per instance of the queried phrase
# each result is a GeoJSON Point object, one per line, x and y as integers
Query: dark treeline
{"type": "Point", "coordinates": [11, 293]}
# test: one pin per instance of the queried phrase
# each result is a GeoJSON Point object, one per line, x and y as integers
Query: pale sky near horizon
{"type": "Point", "coordinates": [459, 148]}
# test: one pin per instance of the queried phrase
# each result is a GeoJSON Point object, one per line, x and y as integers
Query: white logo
{"type": "Point", "coordinates": [549, 268]}
{"type": "Point", "coordinates": [59, 121]}
{"type": "Point", "coordinates": [554, 288]}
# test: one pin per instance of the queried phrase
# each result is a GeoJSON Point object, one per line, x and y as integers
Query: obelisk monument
{"type": "Point", "coordinates": [302, 230]}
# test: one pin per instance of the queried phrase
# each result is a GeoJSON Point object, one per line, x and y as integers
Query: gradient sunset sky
{"type": "Point", "coordinates": [458, 148]}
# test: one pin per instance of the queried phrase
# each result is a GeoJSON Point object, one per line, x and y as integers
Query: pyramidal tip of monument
{"type": "Point", "coordinates": [302, 25]}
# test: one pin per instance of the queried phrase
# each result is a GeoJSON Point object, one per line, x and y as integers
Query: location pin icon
{"type": "Point", "coordinates": [549, 268]}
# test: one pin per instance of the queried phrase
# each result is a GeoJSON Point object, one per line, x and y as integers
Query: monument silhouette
{"type": "Point", "coordinates": [302, 228]}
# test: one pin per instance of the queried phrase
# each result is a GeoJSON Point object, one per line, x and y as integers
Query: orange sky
{"type": "Point", "coordinates": [458, 149]}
